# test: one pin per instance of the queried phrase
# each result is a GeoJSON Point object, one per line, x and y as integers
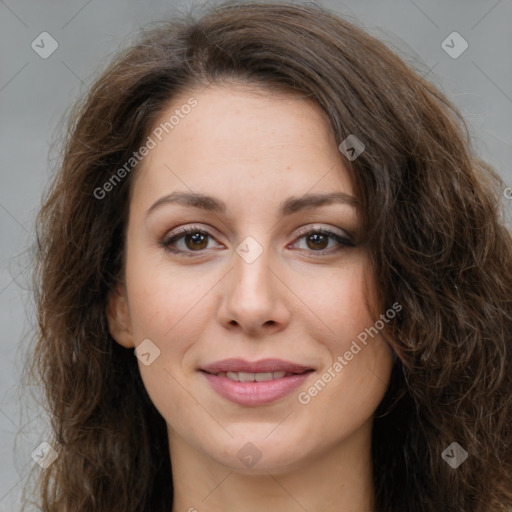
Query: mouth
{"type": "Point", "coordinates": [255, 383]}
{"type": "Point", "coordinates": [256, 377]}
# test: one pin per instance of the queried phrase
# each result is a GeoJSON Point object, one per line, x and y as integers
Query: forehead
{"type": "Point", "coordinates": [245, 136]}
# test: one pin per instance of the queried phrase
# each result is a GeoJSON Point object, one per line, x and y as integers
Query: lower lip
{"type": "Point", "coordinates": [255, 393]}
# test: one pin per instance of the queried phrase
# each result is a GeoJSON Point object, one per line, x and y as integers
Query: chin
{"type": "Point", "coordinates": [262, 454]}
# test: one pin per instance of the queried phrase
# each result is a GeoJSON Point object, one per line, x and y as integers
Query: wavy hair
{"type": "Point", "coordinates": [432, 223]}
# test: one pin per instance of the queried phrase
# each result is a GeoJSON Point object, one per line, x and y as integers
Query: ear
{"type": "Point", "coordinates": [118, 315]}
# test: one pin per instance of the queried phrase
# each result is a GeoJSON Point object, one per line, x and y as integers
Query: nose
{"type": "Point", "coordinates": [254, 297]}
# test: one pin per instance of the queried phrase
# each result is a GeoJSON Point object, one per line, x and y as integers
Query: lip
{"type": "Point", "coordinates": [265, 365]}
{"type": "Point", "coordinates": [255, 393]}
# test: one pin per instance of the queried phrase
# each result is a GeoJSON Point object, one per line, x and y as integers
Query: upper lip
{"type": "Point", "coordinates": [263, 366]}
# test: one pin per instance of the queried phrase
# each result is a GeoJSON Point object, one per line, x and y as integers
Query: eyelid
{"type": "Point", "coordinates": [318, 227]}
{"type": "Point", "coordinates": [184, 230]}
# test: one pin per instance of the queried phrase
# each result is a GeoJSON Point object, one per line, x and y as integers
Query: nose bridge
{"type": "Point", "coordinates": [251, 298]}
{"type": "Point", "coordinates": [252, 276]}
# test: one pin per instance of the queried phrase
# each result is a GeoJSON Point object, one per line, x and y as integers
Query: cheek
{"type": "Point", "coordinates": [355, 378]}
{"type": "Point", "coordinates": [350, 388]}
{"type": "Point", "coordinates": [163, 299]}
{"type": "Point", "coordinates": [161, 305]}
{"type": "Point", "coordinates": [346, 392]}
{"type": "Point", "coordinates": [341, 303]}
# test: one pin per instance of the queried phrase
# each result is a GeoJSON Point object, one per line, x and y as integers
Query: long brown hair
{"type": "Point", "coordinates": [431, 218]}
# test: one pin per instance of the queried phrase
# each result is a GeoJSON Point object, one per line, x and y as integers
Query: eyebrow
{"type": "Point", "coordinates": [287, 207]}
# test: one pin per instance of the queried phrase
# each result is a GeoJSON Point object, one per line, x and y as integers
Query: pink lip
{"type": "Point", "coordinates": [255, 393]}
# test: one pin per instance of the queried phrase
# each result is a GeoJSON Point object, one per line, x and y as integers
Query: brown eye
{"type": "Point", "coordinates": [317, 241]}
{"type": "Point", "coordinates": [196, 240]}
{"type": "Point", "coordinates": [188, 240]}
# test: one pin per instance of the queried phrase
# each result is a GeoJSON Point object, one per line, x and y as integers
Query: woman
{"type": "Point", "coordinates": [291, 229]}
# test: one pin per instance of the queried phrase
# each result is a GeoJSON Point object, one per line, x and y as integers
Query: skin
{"type": "Point", "coordinates": [253, 149]}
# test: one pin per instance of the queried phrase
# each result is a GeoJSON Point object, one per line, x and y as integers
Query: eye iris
{"type": "Point", "coordinates": [196, 238]}
{"type": "Point", "coordinates": [317, 237]}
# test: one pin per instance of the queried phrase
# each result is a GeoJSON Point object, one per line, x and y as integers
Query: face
{"type": "Point", "coordinates": [251, 306]}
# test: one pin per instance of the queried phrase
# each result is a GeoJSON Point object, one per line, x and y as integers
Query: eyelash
{"type": "Point", "coordinates": [173, 238]}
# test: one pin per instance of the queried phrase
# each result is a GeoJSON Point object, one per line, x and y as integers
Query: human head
{"type": "Point", "coordinates": [423, 198]}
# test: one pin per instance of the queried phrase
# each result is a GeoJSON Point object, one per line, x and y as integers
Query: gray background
{"type": "Point", "coordinates": [35, 93]}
